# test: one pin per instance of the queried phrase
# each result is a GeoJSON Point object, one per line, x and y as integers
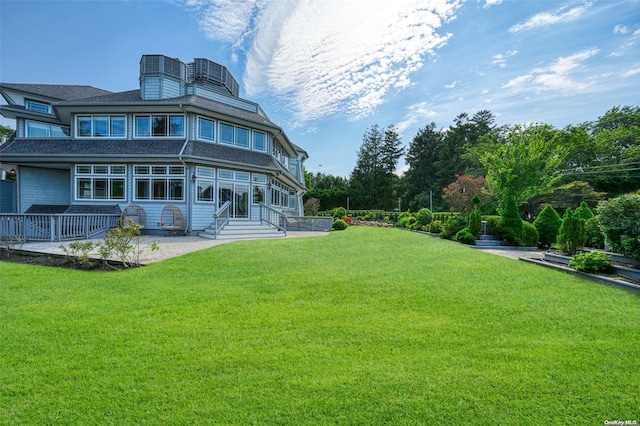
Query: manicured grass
{"type": "Point", "coordinates": [365, 326]}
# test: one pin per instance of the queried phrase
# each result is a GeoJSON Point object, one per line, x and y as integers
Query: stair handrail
{"type": "Point", "coordinates": [273, 217]}
{"type": "Point", "coordinates": [221, 217]}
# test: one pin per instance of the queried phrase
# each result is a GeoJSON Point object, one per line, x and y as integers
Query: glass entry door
{"type": "Point", "coordinates": [238, 195]}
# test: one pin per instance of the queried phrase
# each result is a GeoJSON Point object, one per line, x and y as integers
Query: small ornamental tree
{"type": "Point", "coordinates": [423, 218]}
{"type": "Point", "coordinates": [548, 224]}
{"type": "Point", "coordinates": [571, 233]}
{"type": "Point", "coordinates": [512, 227]}
{"type": "Point", "coordinates": [583, 212]}
{"type": "Point", "coordinates": [619, 220]}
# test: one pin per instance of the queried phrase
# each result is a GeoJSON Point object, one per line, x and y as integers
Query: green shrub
{"type": "Point", "coordinates": [339, 212]}
{"type": "Point", "coordinates": [435, 227]}
{"type": "Point", "coordinates": [512, 223]}
{"type": "Point", "coordinates": [423, 217]}
{"type": "Point", "coordinates": [444, 234]}
{"type": "Point", "coordinates": [595, 261]}
{"type": "Point", "coordinates": [583, 212]}
{"type": "Point", "coordinates": [494, 225]}
{"type": "Point", "coordinates": [339, 225]}
{"type": "Point", "coordinates": [619, 220]}
{"type": "Point", "coordinates": [593, 236]}
{"type": "Point", "coordinates": [570, 236]}
{"type": "Point", "coordinates": [548, 225]}
{"type": "Point", "coordinates": [475, 221]}
{"type": "Point", "coordinates": [530, 235]}
{"type": "Point", "coordinates": [465, 236]}
{"type": "Point", "coordinates": [455, 223]}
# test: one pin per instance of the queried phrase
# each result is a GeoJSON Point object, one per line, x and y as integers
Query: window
{"type": "Point", "coordinates": [231, 175]}
{"type": "Point", "coordinates": [280, 194]}
{"type": "Point", "coordinates": [226, 134]}
{"type": "Point", "coordinates": [159, 183]}
{"type": "Point", "coordinates": [232, 135]}
{"type": "Point", "coordinates": [259, 178]}
{"type": "Point", "coordinates": [160, 125]}
{"type": "Point", "coordinates": [259, 141]}
{"type": "Point", "coordinates": [100, 182]}
{"type": "Point", "coordinates": [242, 137]}
{"type": "Point", "coordinates": [258, 194]}
{"type": "Point", "coordinates": [37, 106]}
{"type": "Point", "coordinates": [206, 129]}
{"type": "Point", "coordinates": [205, 184]}
{"type": "Point", "coordinates": [43, 130]}
{"type": "Point", "coordinates": [101, 126]}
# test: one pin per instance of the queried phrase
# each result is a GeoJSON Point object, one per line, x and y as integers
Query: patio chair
{"type": "Point", "coordinates": [172, 219]}
{"type": "Point", "coordinates": [133, 213]}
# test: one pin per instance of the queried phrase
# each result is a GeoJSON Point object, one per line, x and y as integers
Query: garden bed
{"type": "Point", "coordinates": [621, 276]}
{"type": "Point", "coordinates": [57, 260]}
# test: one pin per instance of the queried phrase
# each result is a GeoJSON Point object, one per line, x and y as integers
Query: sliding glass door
{"type": "Point", "coordinates": [238, 195]}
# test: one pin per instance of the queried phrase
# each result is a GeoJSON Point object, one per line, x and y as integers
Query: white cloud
{"type": "Point", "coordinates": [324, 57]}
{"type": "Point", "coordinates": [489, 3]}
{"type": "Point", "coordinates": [501, 59]}
{"type": "Point", "coordinates": [630, 73]}
{"type": "Point", "coordinates": [556, 77]}
{"type": "Point", "coordinates": [544, 19]}
{"type": "Point", "coordinates": [621, 29]}
{"type": "Point", "coordinates": [452, 85]}
{"type": "Point", "coordinates": [416, 113]}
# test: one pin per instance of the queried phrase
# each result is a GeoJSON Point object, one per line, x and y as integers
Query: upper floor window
{"type": "Point", "coordinates": [101, 126]}
{"type": "Point", "coordinates": [259, 141]}
{"type": "Point", "coordinates": [37, 106]}
{"type": "Point", "coordinates": [206, 129]}
{"type": "Point", "coordinates": [43, 130]}
{"type": "Point", "coordinates": [233, 135]}
{"type": "Point", "coordinates": [163, 125]}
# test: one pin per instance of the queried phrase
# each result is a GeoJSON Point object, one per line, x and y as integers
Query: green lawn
{"type": "Point", "coordinates": [364, 326]}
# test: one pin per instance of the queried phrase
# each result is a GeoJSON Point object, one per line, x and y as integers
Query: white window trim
{"type": "Point", "coordinates": [168, 135]}
{"type": "Point", "coordinates": [109, 116]}
{"type": "Point", "coordinates": [166, 176]}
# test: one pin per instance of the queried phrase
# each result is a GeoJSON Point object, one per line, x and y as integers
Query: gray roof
{"type": "Point", "coordinates": [65, 150]}
{"type": "Point", "coordinates": [56, 91]}
{"type": "Point", "coordinates": [133, 98]}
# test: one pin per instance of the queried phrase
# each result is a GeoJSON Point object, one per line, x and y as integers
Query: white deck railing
{"type": "Point", "coordinates": [55, 227]}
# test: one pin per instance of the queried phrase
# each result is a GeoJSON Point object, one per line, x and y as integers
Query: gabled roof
{"type": "Point", "coordinates": [64, 92]}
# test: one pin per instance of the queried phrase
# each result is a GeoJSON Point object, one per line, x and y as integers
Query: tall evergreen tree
{"type": "Point", "coordinates": [419, 179]}
{"type": "Point", "coordinates": [373, 179]}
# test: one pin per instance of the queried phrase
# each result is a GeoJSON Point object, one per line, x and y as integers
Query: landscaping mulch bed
{"type": "Point", "coordinates": [45, 259]}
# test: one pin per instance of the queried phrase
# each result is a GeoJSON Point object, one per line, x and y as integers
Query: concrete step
{"type": "Point", "coordinates": [487, 243]}
{"type": "Point", "coordinates": [242, 229]}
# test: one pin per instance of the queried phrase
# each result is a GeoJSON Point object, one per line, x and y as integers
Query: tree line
{"type": "Point", "coordinates": [535, 165]}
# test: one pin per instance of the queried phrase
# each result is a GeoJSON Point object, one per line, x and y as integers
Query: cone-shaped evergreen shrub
{"type": "Point", "coordinates": [512, 227]}
{"type": "Point", "coordinates": [475, 222]}
{"type": "Point", "coordinates": [531, 236]}
{"type": "Point", "coordinates": [548, 224]}
{"type": "Point", "coordinates": [583, 212]}
{"type": "Point", "coordinates": [571, 233]}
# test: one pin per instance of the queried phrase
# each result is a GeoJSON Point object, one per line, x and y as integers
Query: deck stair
{"type": "Point", "coordinates": [243, 229]}
{"type": "Point", "coordinates": [487, 241]}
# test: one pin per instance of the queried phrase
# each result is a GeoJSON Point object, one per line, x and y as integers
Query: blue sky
{"type": "Point", "coordinates": [326, 70]}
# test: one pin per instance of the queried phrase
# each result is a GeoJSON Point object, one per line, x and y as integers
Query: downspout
{"type": "Point", "coordinates": [189, 181]}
